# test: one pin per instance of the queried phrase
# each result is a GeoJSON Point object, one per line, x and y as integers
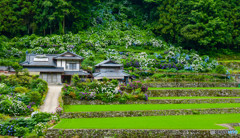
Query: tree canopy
{"type": "Point", "coordinates": [208, 24]}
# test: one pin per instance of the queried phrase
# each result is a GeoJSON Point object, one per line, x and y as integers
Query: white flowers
{"type": "Point", "coordinates": [2, 85]}
{"type": "Point", "coordinates": [33, 113]}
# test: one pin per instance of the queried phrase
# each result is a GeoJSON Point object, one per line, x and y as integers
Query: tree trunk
{"type": "Point", "coordinates": [63, 25]}
{"type": "Point", "coordinates": [28, 26]}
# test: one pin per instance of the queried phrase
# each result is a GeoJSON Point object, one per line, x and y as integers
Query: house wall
{"type": "Point", "coordinates": [109, 70]}
{"type": "Point", "coordinates": [63, 63]}
{"type": "Point", "coordinates": [51, 78]}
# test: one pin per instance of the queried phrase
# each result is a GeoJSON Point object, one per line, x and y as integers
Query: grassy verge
{"type": "Point", "coordinates": [229, 61]}
{"type": "Point", "coordinates": [134, 107]}
{"type": "Point", "coordinates": [156, 98]}
{"type": "Point", "coordinates": [190, 88]}
{"type": "Point", "coordinates": [237, 128]}
{"type": "Point", "coordinates": [209, 121]}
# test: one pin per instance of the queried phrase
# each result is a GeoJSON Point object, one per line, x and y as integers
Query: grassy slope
{"type": "Point", "coordinates": [187, 88]}
{"type": "Point", "coordinates": [152, 98]}
{"type": "Point", "coordinates": [132, 107]}
{"type": "Point", "coordinates": [209, 121]}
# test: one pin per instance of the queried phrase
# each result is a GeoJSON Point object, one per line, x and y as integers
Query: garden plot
{"type": "Point", "coordinates": [152, 122]}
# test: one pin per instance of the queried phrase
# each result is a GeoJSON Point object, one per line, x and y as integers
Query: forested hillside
{"type": "Point", "coordinates": [210, 24]}
{"type": "Point", "coordinates": [141, 34]}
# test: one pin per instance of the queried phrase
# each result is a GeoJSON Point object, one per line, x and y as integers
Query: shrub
{"type": "Point", "coordinates": [4, 117]}
{"type": "Point", "coordinates": [220, 69]}
{"type": "Point", "coordinates": [122, 100]}
{"type": "Point", "coordinates": [21, 90]}
{"type": "Point", "coordinates": [40, 129]}
{"type": "Point", "coordinates": [21, 131]}
{"type": "Point", "coordinates": [41, 116]}
{"type": "Point", "coordinates": [115, 82]}
{"type": "Point", "coordinates": [75, 79]}
{"type": "Point", "coordinates": [122, 87]}
{"type": "Point", "coordinates": [4, 89]}
{"type": "Point", "coordinates": [13, 107]}
{"type": "Point", "coordinates": [39, 85]}
{"type": "Point", "coordinates": [11, 80]}
{"type": "Point", "coordinates": [35, 97]}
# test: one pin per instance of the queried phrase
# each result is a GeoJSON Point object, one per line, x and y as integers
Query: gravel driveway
{"type": "Point", "coordinates": [51, 101]}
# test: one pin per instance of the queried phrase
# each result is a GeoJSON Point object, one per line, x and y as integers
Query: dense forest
{"type": "Point", "coordinates": [208, 24]}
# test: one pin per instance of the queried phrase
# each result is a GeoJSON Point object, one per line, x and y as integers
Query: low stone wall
{"type": "Point", "coordinates": [71, 101]}
{"type": "Point", "coordinates": [193, 84]}
{"type": "Point", "coordinates": [139, 133]}
{"type": "Point", "coordinates": [195, 92]}
{"type": "Point", "coordinates": [149, 113]}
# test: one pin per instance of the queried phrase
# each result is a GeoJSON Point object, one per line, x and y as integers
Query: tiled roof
{"type": "Point", "coordinates": [108, 63]}
{"type": "Point", "coordinates": [81, 72]}
{"type": "Point", "coordinates": [30, 61]}
{"type": "Point", "coordinates": [45, 69]}
{"type": "Point", "coordinates": [111, 75]}
{"type": "Point", "coordinates": [5, 68]}
{"type": "Point", "coordinates": [60, 56]}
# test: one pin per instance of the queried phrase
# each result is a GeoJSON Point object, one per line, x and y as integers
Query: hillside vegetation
{"type": "Point", "coordinates": [143, 35]}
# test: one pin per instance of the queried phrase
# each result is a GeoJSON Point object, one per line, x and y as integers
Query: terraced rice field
{"type": "Point", "coordinates": [139, 107]}
{"type": "Point", "coordinates": [152, 122]}
{"type": "Point", "coordinates": [193, 88]}
{"type": "Point", "coordinates": [194, 97]}
{"type": "Point", "coordinates": [204, 120]}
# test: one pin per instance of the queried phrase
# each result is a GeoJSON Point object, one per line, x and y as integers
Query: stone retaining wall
{"type": "Point", "coordinates": [71, 101]}
{"type": "Point", "coordinates": [140, 133]}
{"type": "Point", "coordinates": [149, 113]}
{"type": "Point", "coordinates": [194, 92]}
{"type": "Point", "coordinates": [193, 84]}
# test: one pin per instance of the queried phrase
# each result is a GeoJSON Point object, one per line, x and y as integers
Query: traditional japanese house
{"type": "Point", "coordinates": [110, 70]}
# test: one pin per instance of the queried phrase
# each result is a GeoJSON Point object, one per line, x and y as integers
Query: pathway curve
{"type": "Point", "coordinates": [51, 101]}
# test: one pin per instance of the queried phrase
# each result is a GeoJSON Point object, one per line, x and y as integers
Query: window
{"type": "Point", "coordinates": [72, 66]}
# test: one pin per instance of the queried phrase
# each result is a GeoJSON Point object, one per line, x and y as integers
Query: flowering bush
{"type": "Point", "coordinates": [36, 124]}
{"type": "Point", "coordinates": [10, 106]}
{"type": "Point", "coordinates": [40, 129]}
{"type": "Point", "coordinates": [59, 110]}
{"type": "Point", "coordinates": [105, 91]}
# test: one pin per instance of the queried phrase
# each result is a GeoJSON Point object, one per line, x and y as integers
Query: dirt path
{"type": "Point", "coordinates": [226, 125]}
{"type": "Point", "coordinates": [51, 101]}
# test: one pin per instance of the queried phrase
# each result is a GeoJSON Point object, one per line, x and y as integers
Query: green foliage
{"type": "Point", "coordinates": [35, 97]}
{"type": "Point", "coordinates": [75, 79]}
{"type": "Point", "coordinates": [29, 127]}
{"type": "Point", "coordinates": [39, 85]}
{"type": "Point", "coordinates": [199, 24]}
{"type": "Point", "coordinates": [21, 131]}
{"type": "Point", "coordinates": [21, 90]}
{"type": "Point", "coordinates": [41, 117]}
{"type": "Point", "coordinates": [220, 69]}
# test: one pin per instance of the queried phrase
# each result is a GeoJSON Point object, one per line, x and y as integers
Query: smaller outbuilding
{"type": "Point", "coordinates": [110, 70]}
